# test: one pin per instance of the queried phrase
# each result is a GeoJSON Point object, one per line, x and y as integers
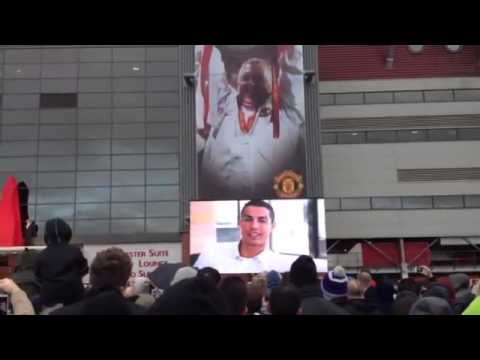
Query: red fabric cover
{"type": "Point", "coordinates": [10, 224]}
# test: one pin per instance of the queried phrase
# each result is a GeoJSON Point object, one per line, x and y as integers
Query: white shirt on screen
{"type": "Point", "coordinates": [226, 258]}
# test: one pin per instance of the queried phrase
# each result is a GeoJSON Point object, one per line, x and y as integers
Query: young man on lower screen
{"type": "Point", "coordinates": [251, 254]}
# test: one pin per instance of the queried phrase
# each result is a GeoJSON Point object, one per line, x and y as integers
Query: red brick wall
{"type": "Point", "coordinates": [363, 62]}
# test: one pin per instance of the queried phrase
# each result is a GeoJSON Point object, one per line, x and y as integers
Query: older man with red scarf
{"type": "Point", "coordinates": [251, 125]}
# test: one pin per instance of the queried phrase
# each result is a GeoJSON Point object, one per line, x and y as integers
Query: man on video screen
{"type": "Point", "coordinates": [251, 254]}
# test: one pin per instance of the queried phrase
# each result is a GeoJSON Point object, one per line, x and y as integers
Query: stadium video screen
{"type": "Point", "coordinates": [255, 236]}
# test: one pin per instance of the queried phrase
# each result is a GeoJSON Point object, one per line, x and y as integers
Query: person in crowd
{"type": "Point", "coordinates": [304, 278]}
{"type": "Point", "coordinates": [440, 290]}
{"type": "Point", "coordinates": [463, 291]}
{"type": "Point", "coordinates": [235, 291]}
{"type": "Point", "coordinates": [274, 280]}
{"type": "Point", "coordinates": [356, 303]}
{"type": "Point", "coordinates": [20, 303]}
{"type": "Point", "coordinates": [24, 273]}
{"type": "Point", "coordinates": [385, 295]}
{"type": "Point", "coordinates": [368, 284]}
{"type": "Point", "coordinates": [410, 285]}
{"type": "Point", "coordinates": [257, 295]}
{"type": "Point", "coordinates": [60, 267]}
{"type": "Point", "coordinates": [138, 292]}
{"type": "Point", "coordinates": [473, 308]}
{"type": "Point", "coordinates": [334, 284]}
{"type": "Point", "coordinates": [183, 273]}
{"type": "Point", "coordinates": [109, 274]}
{"type": "Point", "coordinates": [430, 305]}
{"type": "Point", "coordinates": [284, 301]}
{"type": "Point", "coordinates": [193, 296]}
{"type": "Point", "coordinates": [211, 274]}
{"type": "Point", "coordinates": [403, 302]}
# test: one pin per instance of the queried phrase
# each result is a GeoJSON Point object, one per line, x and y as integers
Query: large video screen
{"type": "Point", "coordinates": [252, 236]}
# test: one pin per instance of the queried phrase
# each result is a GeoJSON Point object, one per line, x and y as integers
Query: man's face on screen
{"type": "Point", "coordinates": [254, 83]}
{"type": "Point", "coordinates": [256, 226]}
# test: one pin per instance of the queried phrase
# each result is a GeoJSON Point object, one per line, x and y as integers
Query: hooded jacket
{"type": "Point", "coordinates": [60, 267]}
{"type": "Point", "coordinates": [313, 302]}
{"type": "Point", "coordinates": [431, 306]}
{"type": "Point", "coordinates": [463, 294]}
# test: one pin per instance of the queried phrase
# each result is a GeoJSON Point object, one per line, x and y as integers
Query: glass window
{"type": "Point", "coordinates": [58, 101]}
{"type": "Point", "coordinates": [417, 202]}
{"type": "Point", "coordinates": [445, 202]}
{"type": "Point", "coordinates": [92, 211]}
{"type": "Point", "coordinates": [351, 137]}
{"type": "Point", "coordinates": [355, 203]}
{"type": "Point", "coordinates": [162, 177]}
{"type": "Point", "coordinates": [472, 201]}
{"type": "Point", "coordinates": [128, 226]}
{"type": "Point", "coordinates": [128, 193]}
{"type": "Point", "coordinates": [128, 210]}
{"type": "Point", "coordinates": [442, 135]}
{"type": "Point", "coordinates": [469, 134]}
{"type": "Point", "coordinates": [386, 203]}
{"type": "Point", "coordinates": [332, 204]}
{"type": "Point", "coordinates": [162, 209]}
{"type": "Point", "coordinates": [381, 136]}
{"type": "Point", "coordinates": [168, 225]}
{"type": "Point", "coordinates": [412, 135]}
{"type": "Point", "coordinates": [91, 227]}
{"type": "Point", "coordinates": [329, 138]}
{"type": "Point", "coordinates": [157, 193]}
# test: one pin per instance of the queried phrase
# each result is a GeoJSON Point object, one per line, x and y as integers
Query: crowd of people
{"type": "Point", "coordinates": [50, 283]}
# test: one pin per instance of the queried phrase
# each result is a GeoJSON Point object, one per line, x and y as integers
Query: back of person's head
{"type": "Point", "coordinates": [284, 301]}
{"type": "Point", "coordinates": [364, 278]}
{"type": "Point", "coordinates": [183, 273]}
{"type": "Point", "coordinates": [403, 302]}
{"type": "Point", "coordinates": [460, 282]}
{"type": "Point", "coordinates": [303, 272]}
{"type": "Point", "coordinates": [235, 291]}
{"type": "Point", "coordinates": [255, 297]}
{"type": "Point", "coordinates": [210, 274]}
{"type": "Point", "coordinates": [409, 284]}
{"type": "Point", "coordinates": [193, 296]}
{"type": "Point", "coordinates": [111, 268]}
{"type": "Point", "coordinates": [439, 290]}
{"type": "Point", "coordinates": [335, 283]}
{"type": "Point", "coordinates": [274, 280]}
{"type": "Point", "coordinates": [57, 231]}
{"type": "Point", "coordinates": [431, 306]}
{"type": "Point", "coordinates": [354, 290]}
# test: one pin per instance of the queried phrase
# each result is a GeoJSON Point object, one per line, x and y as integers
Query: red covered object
{"type": "Point", "coordinates": [10, 223]}
{"type": "Point", "coordinates": [374, 259]}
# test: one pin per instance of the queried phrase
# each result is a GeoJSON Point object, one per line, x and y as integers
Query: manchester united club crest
{"type": "Point", "coordinates": [288, 185]}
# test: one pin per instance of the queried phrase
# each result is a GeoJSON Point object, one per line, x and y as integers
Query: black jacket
{"type": "Point", "coordinates": [59, 270]}
{"type": "Point", "coordinates": [357, 306]}
{"type": "Point", "coordinates": [102, 302]}
{"type": "Point", "coordinates": [314, 304]}
{"type": "Point", "coordinates": [462, 303]}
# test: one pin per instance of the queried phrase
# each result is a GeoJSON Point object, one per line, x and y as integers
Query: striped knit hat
{"type": "Point", "coordinates": [335, 283]}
